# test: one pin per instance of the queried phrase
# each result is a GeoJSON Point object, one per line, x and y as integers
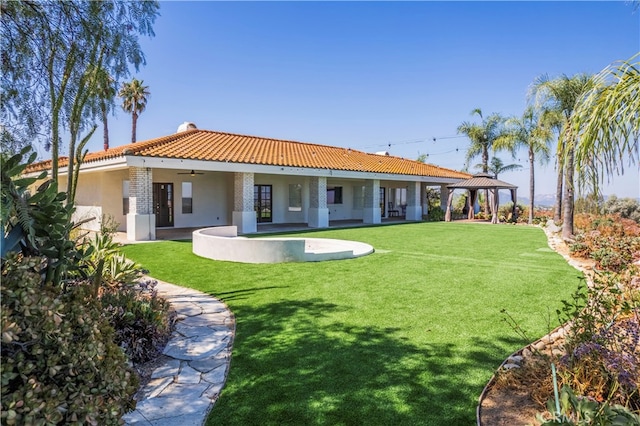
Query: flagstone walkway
{"type": "Point", "coordinates": [184, 389]}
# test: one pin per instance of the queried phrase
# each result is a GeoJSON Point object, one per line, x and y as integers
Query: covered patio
{"type": "Point", "coordinates": [271, 228]}
{"type": "Point", "coordinates": [481, 181]}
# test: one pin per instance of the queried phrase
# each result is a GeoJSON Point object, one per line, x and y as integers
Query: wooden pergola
{"type": "Point", "coordinates": [478, 182]}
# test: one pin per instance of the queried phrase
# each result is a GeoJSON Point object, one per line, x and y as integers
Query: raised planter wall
{"type": "Point", "coordinates": [223, 243]}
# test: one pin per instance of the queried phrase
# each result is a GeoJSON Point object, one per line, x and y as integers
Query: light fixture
{"type": "Point", "coordinates": [191, 173]}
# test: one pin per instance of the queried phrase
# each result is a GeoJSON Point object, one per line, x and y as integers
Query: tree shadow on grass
{"type": "Point", "coordinates": [243, 293]}
{"type": "Point", "coordinates": [291, 365]}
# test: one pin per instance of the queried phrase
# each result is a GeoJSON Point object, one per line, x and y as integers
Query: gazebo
{"type": "Point", "coordinates": [475, 183]}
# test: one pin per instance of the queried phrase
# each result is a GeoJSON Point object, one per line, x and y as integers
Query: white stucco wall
{"type": "Point", "coordinates": [102, 190]}
{"type": "Point", "coordinates": [280, 197]}
{"type": "Point", "coordinates": [112, 196]}
{"type": "Point", "coordinates": [344, 210]}
{"type": "Point", "coordinates": [210, 200]}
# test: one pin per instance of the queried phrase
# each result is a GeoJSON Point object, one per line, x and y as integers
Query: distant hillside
{"type": "Point", "coordinates": [541, 200]}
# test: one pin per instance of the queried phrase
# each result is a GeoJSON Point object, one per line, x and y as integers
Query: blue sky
{"type": "Point", "coordinates": [370, 75]}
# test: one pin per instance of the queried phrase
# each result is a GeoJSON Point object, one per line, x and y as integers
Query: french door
{"type": "Point", "coordinates": [163, 204]}
{"type": "Point", "coordinates": [262, 203]}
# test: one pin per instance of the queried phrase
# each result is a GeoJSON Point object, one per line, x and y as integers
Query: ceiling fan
{"type": "Point", "coordinates": [192, 173]}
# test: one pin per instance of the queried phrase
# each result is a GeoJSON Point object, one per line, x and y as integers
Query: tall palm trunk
{"type": "Point", "coordinates": [567, 222]}
{"type": "Point", "coordinates": [134, 123]}
{"type": "Point", "coordinates": [557, 209]}
{"type": "Point", "coordinates": [532, 183]}
{"type": "Point", "coordinates": [105, 130]}
{"type": "Point", "coordinates": [485, 169]}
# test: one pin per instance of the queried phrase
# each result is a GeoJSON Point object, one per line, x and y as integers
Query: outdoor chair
{"type": "Point", "coordinates": [391, 211]}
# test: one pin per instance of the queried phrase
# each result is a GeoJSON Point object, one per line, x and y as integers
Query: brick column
{"type": "Point", "coordinates": [414, 209]}
{"type": "Point", "coordinates": [141, 220]}
{"type": "Point", "coordinates": [318, 210]}
{"type": "Point", "coordinates": [371, 210]}
{"type": "Point", "coordinates": [244, 214]}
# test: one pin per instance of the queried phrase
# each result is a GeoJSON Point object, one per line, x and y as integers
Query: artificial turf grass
{"type": "Point", "coordinates": [407, 335]}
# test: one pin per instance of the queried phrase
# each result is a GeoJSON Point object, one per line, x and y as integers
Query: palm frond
{"type": "Point", "coordinates": [608, 122]}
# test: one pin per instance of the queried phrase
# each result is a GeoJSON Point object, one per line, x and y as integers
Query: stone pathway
{"type": "Point", "coordinates": [184, 389]}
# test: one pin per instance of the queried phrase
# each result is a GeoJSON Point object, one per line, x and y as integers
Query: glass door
{"type": "Point", "coordinates": [262, 203]}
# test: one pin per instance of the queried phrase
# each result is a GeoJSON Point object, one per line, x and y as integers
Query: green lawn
{"type": "Point", "coordinates": [407, 335]}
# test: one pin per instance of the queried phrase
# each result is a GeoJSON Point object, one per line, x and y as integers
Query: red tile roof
{"type": "Point", "coordinates": [233, 148]}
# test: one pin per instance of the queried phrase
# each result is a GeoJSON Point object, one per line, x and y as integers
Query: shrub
{"type": "Point", "coordinates": [580, 247]}
{"type": "Point", "coordinates": [435, 215]}
{"type": "Point", "coordinates": [108, 265]}
{"type": "Point", "coordinates": [602, 358]}
{"type": "Point", "coordinates": [38, 224]}
{"type": "Point", "coordinates": [627, 208]}
{"type": "Point", "coordinates": [60, 364]}
{"type": "Point", "coordinates": [61, 360]}
{"type": "Point", "coordinates": [505, 212]}
{"type": "Point", "coordinates": [142, 321]}
{"type": "Point", "coordinates": [581, 411]}
{"type": "Point", "coordinates": [614, 243]}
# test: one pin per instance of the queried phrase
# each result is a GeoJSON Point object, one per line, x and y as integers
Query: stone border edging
{"type": "Point", "coordinates": [553, 240]}
{"type": "Point", "coordinates": [185, 388]}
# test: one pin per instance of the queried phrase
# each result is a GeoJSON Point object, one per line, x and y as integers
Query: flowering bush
{"type": "Point", "coordinates": [602, 348]}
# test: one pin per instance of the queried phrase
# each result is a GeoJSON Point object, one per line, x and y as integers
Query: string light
{"type": "Point", "coordinates": [413, 141]}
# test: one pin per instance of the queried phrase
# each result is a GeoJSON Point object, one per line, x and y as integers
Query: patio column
{"type": "Point", "coordinates": [444, 197]}
{"type": "Point", "coordinates": [414, 209]}
{"type": "Point", "coordinates": [141, 220]}
{"type": "Point", "coordinates": [473, 197]}
{"type": "Point", "coordinates": [244, 214]}
{"type": "Point", "coordinates": [494, 203]}
{"type": "Point", "coordinates": [447, 215]}
{"type": "Point", "coordinates": [371, 211]}
{"type": "Point", "coordinates": [424, 199]}
{"type": "Point", "coordinates": [318, 211]}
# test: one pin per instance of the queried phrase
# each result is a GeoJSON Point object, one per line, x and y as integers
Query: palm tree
{"type": "Point", "coordinates": [532, 131]}
{"type": "Point", "coordinates": [497, 166]}
{"type": "Point", "coordinates": [106, 88]}
{"type": "Point", "coordinates": [134, 100]}
{"type": "Point", "coordinates": [482, 137]}
{"type": "Point", "coordinates": [563, 94]}
{"type": "Point", "coordinates": [608, 122]}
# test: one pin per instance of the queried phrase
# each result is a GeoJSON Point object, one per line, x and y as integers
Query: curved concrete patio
{"type": "Point", "coordinates": [223, 243]}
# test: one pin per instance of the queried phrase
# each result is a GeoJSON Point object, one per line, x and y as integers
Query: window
{"type": "Point", "coordinates": [187, 200]}
{"type": "Point", "coordinates": [334, 195]}
{"type": "Point", "coordinates": [125, 197]}
{"type": "Point", "coordinates": [295, 197]}
{"type": "Point", "coordinates": [400, 197]}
